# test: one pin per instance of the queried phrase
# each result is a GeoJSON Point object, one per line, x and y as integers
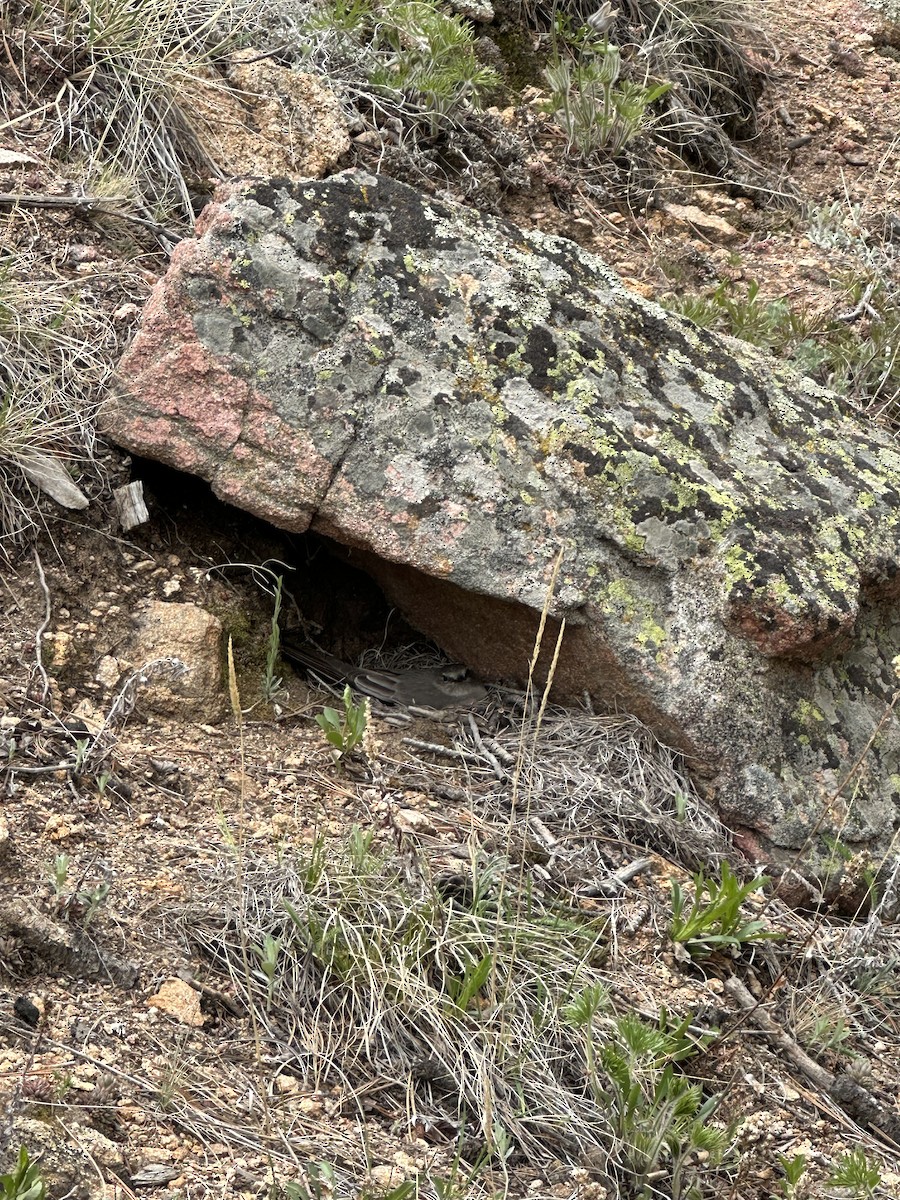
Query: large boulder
{"type": "Point", "coordinates": [465, 404]}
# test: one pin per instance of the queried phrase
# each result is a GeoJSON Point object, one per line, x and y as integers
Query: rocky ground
{"type": "Point", "coordinates": [132, 821]}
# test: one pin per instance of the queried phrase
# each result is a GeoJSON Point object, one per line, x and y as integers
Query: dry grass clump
{"type": "Point", "coordinates": [469, 979]}
{"type": "Point", "coordinates": [112, 79]}
{"type": "Point", "coordinates": [605, 780]}
{"type": "Point", "coordinates": [469, 995]}
{"type": "Point", "coordinates": [104, 86]}
{"type": "Point", "coordinates": [55, 354]}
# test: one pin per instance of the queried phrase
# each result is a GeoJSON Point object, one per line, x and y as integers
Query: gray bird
{"type": "Point", "coordinates": [438, 688]}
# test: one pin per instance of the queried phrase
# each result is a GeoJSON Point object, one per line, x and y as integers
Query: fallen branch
{"type": "Point", "coordinates": [45, 200]}
{"type": "Point", "coordinates": [856, 1100]}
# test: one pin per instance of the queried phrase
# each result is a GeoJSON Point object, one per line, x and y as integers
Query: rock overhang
{"type": "Point", "coordinates": [459, 396]}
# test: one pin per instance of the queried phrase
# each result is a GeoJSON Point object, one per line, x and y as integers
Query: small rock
{"type": "Point", "coordinates": [855, 129]}
{"type": "Point", "coordinates": [70, 1158]}
{"type": "Point", "coordinates": [60, 828]}
{"type": "Point", "coordinates": [154, 1175]}
{"type": "Point", "coordinates": [410, 820]}
{"type": "Point", "coordinates": [60, 647]}
{"type": "Point", "coordinates": [715, 228]}
{"type": "Point", "coordinates": [385, 1176]}
{"type": "Point", "coordinates": [26, 1010]}
{"type": "Point", "coordinates": [480, 11]}
{"type": "Point", "coordinates": [193, 636]}
{"type": "Point", "coordinates": [179, 1000]}
{"type": "Point", "coordinates": [108, 672]}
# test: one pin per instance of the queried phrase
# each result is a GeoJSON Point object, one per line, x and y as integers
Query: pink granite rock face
{"type": "Point", "coordinates": [463, 401]}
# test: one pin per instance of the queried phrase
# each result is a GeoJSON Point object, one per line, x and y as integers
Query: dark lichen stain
{"type": "Point", "coordinates": [540, 354]}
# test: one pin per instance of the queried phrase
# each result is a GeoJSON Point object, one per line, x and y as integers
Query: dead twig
{"type": "Point", "coordinates": [42, 628]}
{"type": "Point", "coordinates": [443, 751]}
{"type": "Point", "coordinates": [45, 200]}
{"type": "Point", "coordinates": [483, 750]}
{"type": "Point", "coordinates": [97, 204]}
{"type": "Point", "coordinates": [856, 1100]}
{"type": "Point", "coordinates": [614, 883]}
{"type": "Point", "coordinates": [862, 307]}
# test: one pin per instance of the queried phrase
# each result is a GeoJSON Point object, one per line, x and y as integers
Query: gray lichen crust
{"type": "Point", "coordinates": [466, 398]}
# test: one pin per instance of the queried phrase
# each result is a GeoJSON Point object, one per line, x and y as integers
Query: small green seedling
{"type": "Point", "coordinates": [320, 1183]}
{"type": "Point", "coordinates": [345, 732]}
{"type": "Point", "coordinates": [91, 900]}
{"type": "Point", "coordinates": [794, 1170]}
{"type": "Point", "coordinates": [60, 874]}
{"type": "Point", "coordinates": [268, 954]}
{"type": "Point", "coordinates": [857, 1175]}
{"type": "Point", "coordinates": [714, 921]}
{"type": "Point", "coordinates": [23, 1183]}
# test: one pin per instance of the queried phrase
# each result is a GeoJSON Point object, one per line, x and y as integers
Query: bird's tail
{"type": "Point", "coordinates": [381, 685]}
{"type": "Point", "coordinates": [332, 669]}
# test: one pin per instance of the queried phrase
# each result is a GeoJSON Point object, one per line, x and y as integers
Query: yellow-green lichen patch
{"type": "Point", "coordinates": [619, 600]}
{"type": "Point", "coordinates": [651, 635]}
{"type": "Point", "coordinates": [739, 567]}
{"type": "Point", "coordinates": [806, 713]}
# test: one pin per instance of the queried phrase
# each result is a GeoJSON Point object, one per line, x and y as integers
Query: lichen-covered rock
{"type": "Point", "coordinates": [465, 402]}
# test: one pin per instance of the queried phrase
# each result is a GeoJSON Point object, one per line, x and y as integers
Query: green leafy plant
{"type": "Point", "coordinates": [344, 731]}
{"type": "Point", "coordinates": [272, 681]}
{"type": "Point", "coordinates": [794, 1169]}
{"type": "Point", "coordinates": [268, 953]}
{"type": "Point", "coordinates": [659, 1118]}
{"type": "Point", "coordinates": [90, 901]}
{"type": "Point", "coordinates": [319, 1183]}
{"type": "Point", "coordinates": [24, 1182]}
{"type": "Point", "coordinates": [432, 52]}
{"type": "Point", "coordinates": [771, 324]}
{"type": "Point", "coordinates": [714, 920]}
{"type": "Point", "coordinates": [595, 108]}
{"type": "Point", "coordinates": [341, 16]}
{"type": "Point", "coordinates": [857, 1174]}
{"type": "Point", "coordinates": [827, 1033]}
{"type": "Point", "coordinates": [869, 875]}
{"type": "Point", "coordinates": [59, 874]}
{"type": "Point", "coordinates": [360, 848]}
{"type": "Point", "coordinates": [853, 355]}
{"type": "Point", "coordinates": [82, 746]}
{"type": "Point", "coordinates": [469, 984]}
{"type": "Point", "coordinates": [413, 50]}
{"type": "Point", "coordinates": [84, 902]}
